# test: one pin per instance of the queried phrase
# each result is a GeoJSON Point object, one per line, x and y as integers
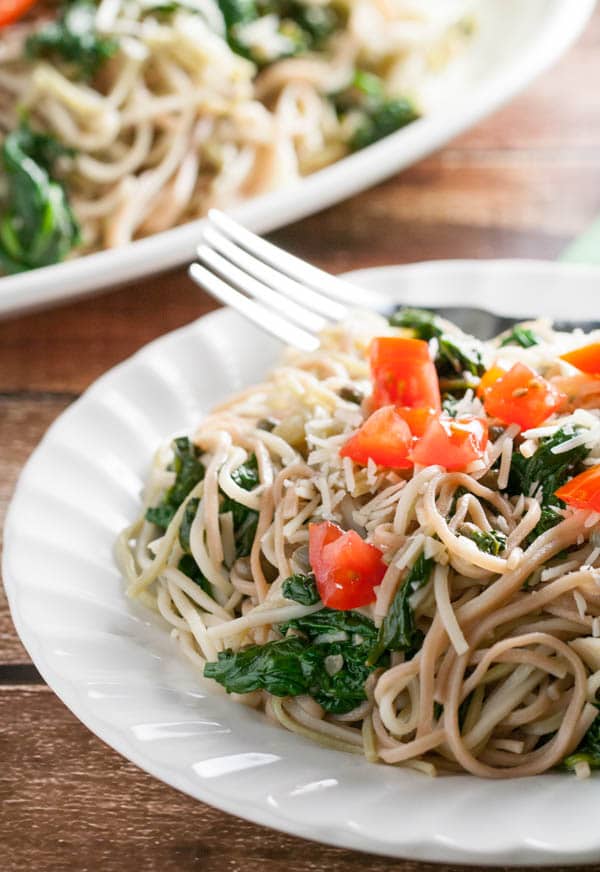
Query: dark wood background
{"type": "Point", "coordinates": [521, 184]}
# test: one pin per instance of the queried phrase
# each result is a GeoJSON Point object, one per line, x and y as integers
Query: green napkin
{"type": "Point", "coordinates": [586, 248]}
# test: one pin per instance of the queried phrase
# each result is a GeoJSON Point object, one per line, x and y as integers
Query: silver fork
{"type": "Point", "coordinates": [281, 293]}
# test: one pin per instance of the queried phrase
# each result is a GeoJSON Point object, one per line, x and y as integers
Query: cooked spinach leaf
{"type": "Point", "coordinates": [38, 227]}
{"type": "Point", "coordinates": [302, 589]}
{"type": "Point", "coordinates": [588, 750]}
{"type": "Point", "coordinates": [278, 667]}
{"type": "Point", "coordinates": [522, 336]}
{"type": "Point", "coordinates": [245, 520]}
{"type": "Point", "coordinates": [246, 476]}
{"type": "Point", "coordinates": [390, 115]}
{"type": "Point", "coordinates": [424, 324]}
{"type": "Point", "coordinates": [236, 13]}
{"type": "Point", "coordinates": [326, 658]}
{"type": "Point", "coordinates": [456, 355]}
{"type": "Point", "coordinates": [73, 38]}
{"type": "Point", "coordinates": [492, 542]}
{"type": "Point", "coordinates": [399, 631]}
{"type": "Point", "coordinates": [186, 523]}
{"type": "Point", "coordinates": [189, 567]}
{"type": "Point", "coordinates": [450, 405]}
{"type": "Point", "coordinates": [339, 690]}
{"type": "Point", "coordinates": [301, 26]}
{"type": "Point", "coordinates": [458, 493]}
{"type": "Point", "coordinates": [549, 518]}
{"type": "Point", "coordinates": [332, 621]}
{"type": "Point", "coordinates": [188, 472]}
{"type": "Point", "coordinates": [545, 471]}
{"type": "Point", "coordinates": [377, 114]}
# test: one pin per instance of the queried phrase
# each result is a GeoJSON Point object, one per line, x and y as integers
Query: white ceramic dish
{"type": "Point", "coordinates": [516, 40]}
{"type": "Point", "coordinates": [118, 671]}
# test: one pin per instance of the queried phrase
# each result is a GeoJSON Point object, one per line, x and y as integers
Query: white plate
{"type": "Point", "coordinates": [120, 674]}
{"type": "Point", "coordinates": [516, 40]}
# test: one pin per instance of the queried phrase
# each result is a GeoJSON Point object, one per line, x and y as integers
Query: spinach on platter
{"type": "Point", "coordinates": [301, 26]}
{"type": "Point", "coordinates": [425, 325]}
{"type": "Point", "coordinates": [378, 113]}
{"type": "Point", "coordinates": [302, 589]}
{"type": "Point", "coordinates": [492, 542]}
{"type": "Point", "coordinates": [399, 632]}
{"type": "Point", "coordinates": [457, 355]}
{"type": "Point", "coordinates": [332, 670]}
{"type": "Point", "coordinates": [523, 336]}
{"type": "Point", "coordinates": [278, 667]}
{"type": "Point", "coordinates": [189, 567]}
{"type": "Point", "coordinates": [73, 38]}
{"type": "Point", "coordinates": [187, 564]}
{"type": "Point", "coordinates": [588, 750]}
{"type": "Point", "coordinates": [38, 227]}
{"type": "Point", "coordinates": [188, 470]}
{"type": "Point", "coordinates": [245, 520]}
{"type": "Point", "coordinates": [543, 473]}
{"type": "Point", "coordinates": [186, 523]}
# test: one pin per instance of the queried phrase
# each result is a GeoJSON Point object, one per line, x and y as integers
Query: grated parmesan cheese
{"type": "Point", "coordinates": [580, 603]}
{"type": "Point", "coordinates": [505, 463]}
{"type": "Point", "coordinates": [580, 439]}
{"type": "Point", "coordinates": [557, 571]}
{"type": "Point", "coordinates": [410, 552]}
{"type": "Point", "coordinates": [528, 448]}
{"type": "Point", "coordinates": [592, 519]}
{"type": "Point", "coordinates": [348, 467]}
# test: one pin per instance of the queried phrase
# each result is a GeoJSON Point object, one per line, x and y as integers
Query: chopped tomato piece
{"type": "Point", "coordinates": [403, 373]}
{"type": "Point", "coordinates": [488, 379]}
{"type": "Point", "coordinates": [385, 437]}
{"type": "Point", "coordinates": [522, 397]}
{"type": "Point", "coordinates": [587, 358]}
{"type": "Point", "coordinates": [417, 419]}
{"type": "Point", "coordinates": [12, 10]}
{"type": "Point", "coordinates": [346, 567]}
{"type": "Point", "coordinates": [583, 491]}
{"type": "Point", "coordinates": [452, 442]}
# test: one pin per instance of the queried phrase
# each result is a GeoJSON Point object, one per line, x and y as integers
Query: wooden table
{"type": "Point", "coordinates": [519, 185]}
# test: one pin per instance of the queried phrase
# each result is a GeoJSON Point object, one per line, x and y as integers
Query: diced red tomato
{"type": "Point", "coordinates": [488, 379]}
{"type": "Point", "coordinates": [417, 419]}
{"type": "Point", "coordinates": [385, 437]}
{"type": "Point", "coordinates": [522, 397]}
{"type": "Point", "coordinates": [346, 568]}
{"type": "Point", "coordinates": [452, 442]}
{"type": "Point", "coordinates": [12, 10]}
{"type": "Point", "coordinates": [403, 373]}
{"type": "Point", "coordinates": [587, 358]}
{"type": "Point", "coordinates": [583, 491]}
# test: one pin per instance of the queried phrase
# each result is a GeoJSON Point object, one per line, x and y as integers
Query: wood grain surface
{"type": "Point", "coordinates": [521, 184]}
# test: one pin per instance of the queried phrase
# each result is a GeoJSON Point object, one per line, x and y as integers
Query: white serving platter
{"type": "Point", "coordinates": [516, 40]}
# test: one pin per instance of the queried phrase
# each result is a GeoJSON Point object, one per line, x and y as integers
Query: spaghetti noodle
{"type": "Point", "coordinates": [473, 644]}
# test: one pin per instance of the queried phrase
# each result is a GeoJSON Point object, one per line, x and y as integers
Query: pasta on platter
{"type": "Point", "coordinates": [123, 118]}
